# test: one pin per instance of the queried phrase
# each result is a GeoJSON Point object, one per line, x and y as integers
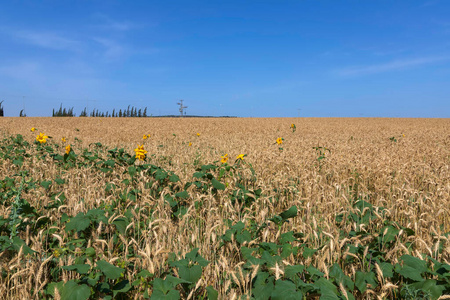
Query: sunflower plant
{"type": "Point", "coordinates": [280, 141]}
{"type": "Point", "coordinates": [293, 127]}
{"type": "Point", "coordinates": [42, 138]}
{"type": "Point", "coordinates": [140, 152]}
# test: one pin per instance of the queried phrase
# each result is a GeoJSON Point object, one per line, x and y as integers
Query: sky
{"type": "Point", "coordinates": [236, 58]}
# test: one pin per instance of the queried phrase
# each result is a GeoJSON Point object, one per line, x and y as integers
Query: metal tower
{"type": "Point", "coordinates": [182, 108]}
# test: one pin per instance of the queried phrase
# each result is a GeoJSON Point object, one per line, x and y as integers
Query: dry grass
{"type": "Point", "coordinates": [410, 178]}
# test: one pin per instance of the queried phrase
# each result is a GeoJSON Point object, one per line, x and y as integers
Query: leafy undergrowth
{"type": "Point", "coordinates": [52, 250]}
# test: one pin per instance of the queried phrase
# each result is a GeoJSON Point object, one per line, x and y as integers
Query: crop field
{"type": "Point", "coordinates": [224, 208]}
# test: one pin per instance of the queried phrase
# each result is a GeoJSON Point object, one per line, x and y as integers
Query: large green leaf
{"type": "Point", "coordinates": [408, 272]}
{"type": "Point", "coordinates": [263, 286]}
{"type": "Point", "coordinates": [327, 289]}
{"type": "Point", "coordinates": [217, 184]}
{"type": "Point", "coordinates": [190, 273]}
{"type": "Point", "coordinates": [212, 293]}
{"type": "Point", "coordinates": [110, 271]}
{"type": "Point", "coordinates": [79, 268]}
{"type": "Point", "coordinates": [182, 195]}
{"type": "Point", "coordinates": [50, 290]}
{"type": "Point", "coordinates": [121, 225]}
{"type": "Point", "coordinates": [415, 263]}
{"type": "Point", "coordinates": [339, 276]}
{"type": "Point", "coordinates": [292, 272]}
{"type": "Point", "coordinates": [290, 213]}
{"type": "Point", "coordinates": [430, 286]}
{"type": "Point", "coordinates": [164, 289]}
{"type": "Point", "coordinates": [121, 287]}
{"type": "Point", "coordinates": [363, 278]}
{"type": "Point", "coordinates": [78, 223]}
{"type": "Point", "coordinates": [72, 291]}
{"type": "Point", "coordinates": [285, 290]}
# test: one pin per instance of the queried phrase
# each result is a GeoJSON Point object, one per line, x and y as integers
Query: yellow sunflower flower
{"type": "Point", "coordinates": [198, 134]}
{"type": "Point", "coordinates": [63, 139]}
{"type": "Point", "coordinates": [279, 141]}
{"type": "Point", "coordinates": [42, 138]}
{"type": "Point", "coordinates": [190, 144]}
{"type": "Point", "coordinates": [240, 156]}
{"type": "Point", "coordinates": [33, 129]}
{"type": "Point", "coordinates": [67, 149]}
{"type": "Point", "coordinates": [140, 152]}
{"type": "Point", "coordinates": [224, 158]}
{"type": "Point", "coordinates": [145, 137]}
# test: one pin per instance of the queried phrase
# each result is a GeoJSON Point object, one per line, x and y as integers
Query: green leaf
{"type": "Point", "coordinates": [387, 268]}
{"type": "Point", "coordinates": [132, 171]}
{"type": "Point", "coordinates": [292, 272]}
{"type": "Point", "coordinates": [182, 195]}
{"type": "Point", "coordinates": [327, 289]}
{"type": "Point", "coordinates": [79, 268]}
{"type": "Point", "coordinates": [174, 178]}
{"type": "Point", "coordinates": [121, 225]}
{"type": "Point", "coordinates": [408, 272]}
{"type": "Point", "coordinates": [164, 289]}
{"type": "Point", "coordinates": [212, 293]}
{"type": "Point", "coordinates": [190, 273]}
{"type": "Point", "coordinates": [110, 163]}
{"type": "Point", "coordinates": [59, 181]}
{"type": "Point", "coordinates": [110, 271]}
{"type": "Point", "coordinates": [415, 263]}
{"type": "Point", "coordinates": [72, 291]}
{"type": "Point", "coordinates": [78, 223]}
{"type": "Point", "coordinates": [338, 275]}
{"type": "Point", "coordinates": [50, 290]}
{"type": "Point", "coordinates": [121, 287]}
{"type": "Point", "coordinates": [46, 184]}
{"type": "Point", "coordinates": [285, 290]}
{"type": "Point", "coordinates": [290, 213]}
{"type": "Point", "coordinates": [17, 243]}
{"type": "Point", "coordinates": [431, 286]}
{"type": "Point", "coordinates": [199, 174]}
{"type": "Point", "coordinates": [263, 286]}
{"type": "Point", "coordinates": [145, 274]}
{"type": "Point", "coordinates": [363, 278]}
{"type": "Point", "coordinates": [217, 184]}
{"type": "Point", "coordinates": [314, 272]}
{"type": "Point", "coordinates": [391, 234]}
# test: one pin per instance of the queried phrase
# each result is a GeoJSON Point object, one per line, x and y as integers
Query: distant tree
{"type": "Point", "coordinates": [22, 113]}
{"type": "Point", "coordinates": [120, 113]}
{"type": "Point", "coordinates": [113, 113]}
{"type": "Point", "coordinates": [1, 109]}
{"type": "Point", "coordinates": [145, 112]}
{"type": "Point", "coordinates": [83, 112]}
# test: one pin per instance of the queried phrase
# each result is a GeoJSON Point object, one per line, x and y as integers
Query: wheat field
{"type": "Point", "coordinates": [144, 225]}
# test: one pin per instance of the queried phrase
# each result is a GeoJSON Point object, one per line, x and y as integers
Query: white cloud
{"type": "Point", "coordinates": [390, 66]}
{"type": "Point", "coordinates": [115, 25]}
{"type": "Point", "coordinates": [113, 50]}
{"type": "Point", "coordinates": [49, 40]}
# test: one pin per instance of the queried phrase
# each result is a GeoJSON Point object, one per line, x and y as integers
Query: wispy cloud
{"type": "Point", "coordinates": [115, 25]}
{"type": "Point", "coordinates": [390, 66]}
{"type": "Point", "coordinates": [112, 49]}
{"type": "Point", "coordinates": [48, 40]}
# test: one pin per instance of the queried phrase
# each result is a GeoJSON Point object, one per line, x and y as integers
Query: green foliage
{"type": "Point", "coordinates": [365, 233]}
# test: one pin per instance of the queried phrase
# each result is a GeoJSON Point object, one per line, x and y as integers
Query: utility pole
{"type": "Point", "coordinates": [182, 108]}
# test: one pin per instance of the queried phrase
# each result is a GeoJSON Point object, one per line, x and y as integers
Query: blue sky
{"type": "Point", "coordinates": [240, 58]}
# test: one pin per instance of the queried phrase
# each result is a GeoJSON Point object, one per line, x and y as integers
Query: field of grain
{"type": "Point", "coordinates": [341, 209]}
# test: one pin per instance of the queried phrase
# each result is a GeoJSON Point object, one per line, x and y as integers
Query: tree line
{"type": "Point", "coordinates": [130, 111]}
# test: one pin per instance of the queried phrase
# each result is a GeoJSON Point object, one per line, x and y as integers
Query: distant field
{"type": "Point", "coordinates": [366, 207]}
